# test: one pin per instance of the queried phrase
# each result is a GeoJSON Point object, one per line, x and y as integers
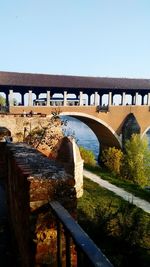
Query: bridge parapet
{"type": "Point", "coordinates": [107, 123]}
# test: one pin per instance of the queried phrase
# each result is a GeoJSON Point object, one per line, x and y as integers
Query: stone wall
{"type": "Point", "coordinates": [20, 127]}
{"type": "Point", "coordinates": [3, 165]}
{"type": "Point", "coordinates": [33, 181]}
{"type": "Point", "coordinates": [69, 155]}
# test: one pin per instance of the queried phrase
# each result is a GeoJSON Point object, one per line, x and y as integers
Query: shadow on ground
{"type": "Point", "coordinates": [7, 255]}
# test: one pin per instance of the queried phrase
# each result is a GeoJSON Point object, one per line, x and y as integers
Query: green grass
{"type": "Point", "coordinates": [125, 184]}
{"type": "Point", "coordinates": [120, 229]}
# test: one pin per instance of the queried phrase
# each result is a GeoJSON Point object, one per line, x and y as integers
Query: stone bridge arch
{"type": "Point", "coordinates": [145, 131]}
{"type": "Point", "coordinates": [104, 133]}
{"type": "Point", "coordinates": [5, 133]}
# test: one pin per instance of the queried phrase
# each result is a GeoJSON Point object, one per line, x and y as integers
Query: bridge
{"type": "Point", "coordinates": [33, 182]}
{"type": "Point", "coordinates": [109, 106]}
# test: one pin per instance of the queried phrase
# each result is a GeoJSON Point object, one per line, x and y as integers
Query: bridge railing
{"type": "Point", "coordinates": [86, 252]}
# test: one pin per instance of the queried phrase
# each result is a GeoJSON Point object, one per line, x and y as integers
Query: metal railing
{"type": "Point", "coordinates": [87, 253]}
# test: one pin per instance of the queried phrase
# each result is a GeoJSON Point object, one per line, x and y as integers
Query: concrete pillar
{"type": "Point", "coordinates": [136, 98]}
{"type": "Point", "coordinates": [65, 98]}
{"type": "Point", "coordinates": [48, 98]}
{"type": "Point", "coordinates": [123, 99]}
{"type": "Point", "coordinates": [11, 101]}
{"type": "Point", "coordinates": [96, 99]}
{"type": "Point", "coordinates": [110, 99]}
{"type": "Point", "coordinates": [81, 99]}
{"type": "Point", "coordinates": [30, 98]}
{"type": "Point", "coordinates": [148, 99]}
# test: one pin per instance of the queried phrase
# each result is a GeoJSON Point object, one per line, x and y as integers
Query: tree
{"type": "Point", "coordinates": [136, 165]}
{"type": "Point", "coordinates": [112, 159]}
{"type": "Point", "coordinates": [87, 156]}
{"type": "Point", "coordinates": [2, 100]}
{"type": "Point", "coordinates": [46, 136]}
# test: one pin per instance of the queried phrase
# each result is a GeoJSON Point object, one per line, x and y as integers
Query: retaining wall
{"type": "Point", "coordinates": [32, 181]}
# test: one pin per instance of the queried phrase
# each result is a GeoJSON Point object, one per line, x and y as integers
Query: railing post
{"type": "Point", "coordinates": [87, 252]}
{"type": "Point", "coordinates": [68, 251]}
{"type": "Point", "coordinates": [59, 244]}
{"type": "Point", "coordinates": [80, 258]}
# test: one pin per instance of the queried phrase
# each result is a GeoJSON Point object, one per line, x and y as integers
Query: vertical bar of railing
{"type": "Point", "coordinates": [68, 251]}
{"type": "Point", "coordinates": [88, 253]}
{"type": "Point", "coordinates": [59, 244]}
{"type": "Point", "coordinates": [80, 257]}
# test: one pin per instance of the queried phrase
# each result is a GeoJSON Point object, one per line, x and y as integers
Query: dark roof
{"type": "Point", "coordinates": [66, 81]}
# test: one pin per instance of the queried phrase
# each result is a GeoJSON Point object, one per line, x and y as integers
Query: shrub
{"type": "Point", "coordinates": [112, 159]}
{"type": "Point", "coordinates": [137, 160]}
{"type": "Point", "coordinates": [87, 156]}
{"type": "Point", "coordinates": [119, 228]}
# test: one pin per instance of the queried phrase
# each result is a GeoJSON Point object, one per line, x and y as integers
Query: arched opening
{"type": "Point", "coordinates": [2, 102]}
{"type": "Point", "coordinates": [5, 134]}
{"type": "Point", "coordinates": [103, 135]}
{"type": "Point", "coordinates": [130, 126]}
{"type": "Point", "coordinates": [83, 135]}
{"type": "Point", "coordinates": [128, 99]}
{"type": "Point", "coordinates": [16, 99]}
{"type": "Point", "coordinates": [147, 135]}
{"type": "Point", "coordinates": [117, 99]}
{"type": "Point", "coordinates": [85, 99]}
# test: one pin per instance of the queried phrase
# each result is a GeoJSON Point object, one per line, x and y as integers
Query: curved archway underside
{"type": "Point", "coordinates": [4, 132]}
{"type": "Point", "coordinates": [106, 136]}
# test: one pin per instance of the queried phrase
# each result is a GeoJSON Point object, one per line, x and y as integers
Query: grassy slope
{"type": "Point", "coordinates": [127, 185]}
{"type": "Point", "coordinates": [119, 228]}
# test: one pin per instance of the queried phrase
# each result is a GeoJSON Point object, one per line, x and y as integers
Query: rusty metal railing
{"type": "Point", "coordinates": [87, 253]}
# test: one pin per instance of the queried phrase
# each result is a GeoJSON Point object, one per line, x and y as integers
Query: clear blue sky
{"type": "Point", "coordinates": [78, 37]}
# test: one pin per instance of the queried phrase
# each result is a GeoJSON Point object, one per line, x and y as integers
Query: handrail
{"type": "Point", "coordinates": [81, 240]}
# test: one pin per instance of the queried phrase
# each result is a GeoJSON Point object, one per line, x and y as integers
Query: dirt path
{"type": "Point", "coordinates": [143, 204]}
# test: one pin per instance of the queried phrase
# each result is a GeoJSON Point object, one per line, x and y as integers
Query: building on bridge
{"type": "Point", "coordinates": [95, 89]}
